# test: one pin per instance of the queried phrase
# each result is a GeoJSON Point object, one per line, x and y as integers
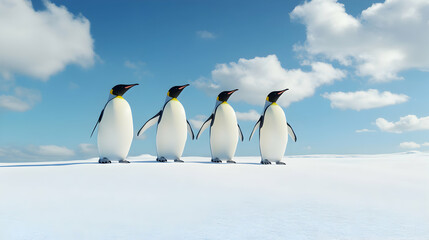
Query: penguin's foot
{"type": "Point", "coordinates": [230, 161]}
{"type": "Point", "coordinates": [265, 162]}
{"type": "Point", "coordinates": [178, 160]}
{"type": "Point", "coordinates": [216, 160]}
{"type": "Point", "coordinates": [161, 159]}
{"type": "Point", "coordinates": [104, 160]}
{"type": "Point", "coordinates": [280, 163]}
{"type": "Point", "coordinates": [124, 161]}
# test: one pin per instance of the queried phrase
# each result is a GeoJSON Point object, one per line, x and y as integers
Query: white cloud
{"type": "Point", "coordinates": [32, 153]}
{"type": "Point", "coordinates": [205, 34]}
{"type": "Point", "coordinates": [364, 130]}
{"type": "Point", "coordinates": [259, 76]}
{"type": "Point", "coordinates": [251, 115]}
{"type": "Point", "coordinates": [364, 99]}
{"type": "Point", "coordinates": [405, 124]}
{"type": "Point", "coordinates": [42, 43]}
{"type": "Point", "coordinates": [22, 100]}
{"type": "Point", "coordinates": [53, 150]}
{"type": "Point", "coordinates": [141, 137]}
{"type": "Point", "coordinates": [426, 144]}
{"type": "Point", "coordinates": [87, 148]}
{"type": "Point", "coordinates": [409, 145]}
{"type": "Point", "coordinates": [385, 39]}
{"type": "Point", "coordinates": [198, 121]}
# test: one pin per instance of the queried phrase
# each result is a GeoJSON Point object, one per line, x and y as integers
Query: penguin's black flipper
{"type": "Point", "coordinates": [205, 125]}
{"type": "Point", "coordinates": [99, 120]}
{"type": "Point", "coordinates": [291, 132]}
{"type": "Point", "coordinates": [190, 130]}
{"type": "Point", "coordinates": [240, 133]}
{"type": "Point", "coordinates": [150, 123]}
{"type": "Point", "coordinates": [257, 125]}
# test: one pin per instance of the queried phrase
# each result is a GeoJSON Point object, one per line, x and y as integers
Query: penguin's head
{"type": "Point", "coordinates": [224, 96]}
{"type": "Point", "coordinates": [274, 96]}
{"type": "Point", "coordinates": [121, 89]}
{"type": "Point", "coordinates": [175, 91]}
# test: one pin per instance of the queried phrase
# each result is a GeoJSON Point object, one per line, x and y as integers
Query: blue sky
{"type": "Point", "coordinates": [356, 70]}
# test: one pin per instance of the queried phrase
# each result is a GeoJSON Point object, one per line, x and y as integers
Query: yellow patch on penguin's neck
{"type": "Point", "coordinates": [224, 102]}
{"type": "Point", "coordinates": [174, 99]}
{"type": "Point", "coordinates": [119, 97]}
{"type": "Point", "coordinates": [274, 103]}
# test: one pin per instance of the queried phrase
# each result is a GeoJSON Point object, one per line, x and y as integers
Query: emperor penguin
{"type": "Point", "coordinates": [172, 127]}
{"type": "Point", "coordinates": [115, 131]}
{"type": "Point", "coordinates": [273, 130]}
{"type": "Point", "coordinates": [224, 129]}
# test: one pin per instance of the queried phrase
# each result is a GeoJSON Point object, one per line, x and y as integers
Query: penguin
{"type": "Point", "coordinates": [224, 129]}
{"type": "Point", "coordinates": [172, 127]}
{"type": "Point", "coordinates": [273, 130]}
{"type": "Point", "coordinates": [115, 131]}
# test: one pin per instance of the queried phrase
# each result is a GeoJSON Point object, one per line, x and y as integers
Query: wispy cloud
{"type": "Point", "coordinates": [88, 149]}
{"type": "Point", "coordinates": [134, 65]}
{"type": "Point", "coordinates": [364, 130]}
{"type": "Point", "coordinates": [361, 100]}
{"type": "Point", "coordinates": [376, 43]}
{"type": "Point", "coordinates": [22, 100]}
{"type": "Point", "coordinates": [251, 115]}
{"type": "Point", "coordinates": [53, 150]}
{"type": "Point", "coordinates": [405, 124]}
{"type": "Point", "coordinates": [33, 153]}
{"type": "Point", "coordinates": [41, 43]}
{"type": "Point", "coordinates": [138, 67]}
{"type": "Point", "coordinates": [198, 121]}
{"type": "Point", "coordinates": [259, 76]}
{"type": "Point", "coordinates": [205, 34]}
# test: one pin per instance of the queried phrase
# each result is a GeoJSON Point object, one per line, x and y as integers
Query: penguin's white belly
{"type": "Point", "coordinates": [172, 130]}
{"type": "Point", "coordinates": [115, 132]}
{"type": "Point", "coordinates": [273, 135]}
{"type": "Point", "coordinates": [224, 133]}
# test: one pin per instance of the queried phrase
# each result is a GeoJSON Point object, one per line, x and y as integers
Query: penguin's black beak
{"type": "Point", "coordinates": [182, 87]}
{"type": "Point", "coordinates": [232, 91]}
{"type": "Point", "coordinates": [131, 85]}
{"type": "Point", "coordinates": [282, 91]}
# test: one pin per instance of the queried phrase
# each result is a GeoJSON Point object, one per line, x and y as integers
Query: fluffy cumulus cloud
{"type": "Point", "coordinates": [409, 145]}
{"type": "Point", "coordinates": [364, 99]}
{"type": "Point", "coordinates": [259, 76]}
{"type": "Point", "coordinates": [251, 115]}
{"type": "Point", "coordinates": [385, 39]}
{"type": "Point", "coordinates": [22, 100]}
{"type": "Point", "coordinates": [405, 124]}
{"type": "Point", "coordinates": [41, 43]}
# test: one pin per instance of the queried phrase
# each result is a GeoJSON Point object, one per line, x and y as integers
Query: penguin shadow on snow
{"type": "Point", "coordinates": [49, 164]}
{"type": "Point", "coordinates": [209, 162]}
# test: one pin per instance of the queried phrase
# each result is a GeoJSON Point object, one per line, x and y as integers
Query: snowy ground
{"type": "Point", "coordinates": [312, 197]}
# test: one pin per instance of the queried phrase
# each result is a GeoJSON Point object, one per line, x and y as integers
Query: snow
{"type": "Point", "coordinates": [312, 197]}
